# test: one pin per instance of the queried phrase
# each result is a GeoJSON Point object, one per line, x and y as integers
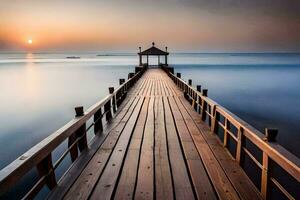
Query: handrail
{"type": "Point", "coordinates": [271, 150]}
{"type": "Point", "coordinates": [40, 154]}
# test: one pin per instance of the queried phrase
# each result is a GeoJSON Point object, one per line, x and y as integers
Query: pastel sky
{"type": "Point", "coordinates": [183, 25]}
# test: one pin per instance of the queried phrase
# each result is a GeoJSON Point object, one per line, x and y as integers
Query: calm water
{"type": "Point", "coordinates": [39, 91]}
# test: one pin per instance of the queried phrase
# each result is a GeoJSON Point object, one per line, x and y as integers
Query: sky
{"type": "Point", "coordinates": [183, 25]}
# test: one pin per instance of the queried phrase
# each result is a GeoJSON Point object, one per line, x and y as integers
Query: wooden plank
{"type": "Point", "coordinates": [163, 179]}
{"type": "Point", "coordinates": [107, 182]}
{"type": "Point", "coordinates": [182, 185]}
{"type": "Point", "coordinates": [238, 178]}
{"type": "Point", "coordinates": [201, 181]}
{"type": "Point", "coordinates": [83, 186]}
{"type": "Point", "coordinates": [145, 178]}
{"type": "Point", "coordinates": [125, 188]}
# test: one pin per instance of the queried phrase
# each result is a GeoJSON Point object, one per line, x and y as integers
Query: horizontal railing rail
{"type": "Point", "coordinates": [218, 117]}
{"type": "Point", "coordinates": [75, 131]}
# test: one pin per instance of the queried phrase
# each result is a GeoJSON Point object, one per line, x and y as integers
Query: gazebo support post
{"type": "Point", "coordinates": [166, 56]}
{"type": "Point", "coordinates": [158, 59]}
{"type": "Point", "coordinates": [147, 60]}
{"type": "Point", "coordinates": [166, 60]}
{"type": "Point", "coordinates": [141, 62]}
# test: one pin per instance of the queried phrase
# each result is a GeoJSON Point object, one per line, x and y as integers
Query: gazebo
{"type": "Point", "coordinates": [153, 51]}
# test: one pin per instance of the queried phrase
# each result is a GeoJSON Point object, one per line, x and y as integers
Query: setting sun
{"type": "Point", "coordinates": [29, 41]}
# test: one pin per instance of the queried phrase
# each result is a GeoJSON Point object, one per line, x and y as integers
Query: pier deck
{"type": "Point", "coordinates": [159, 148]}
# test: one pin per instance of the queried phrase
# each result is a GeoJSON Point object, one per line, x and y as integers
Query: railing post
{"type": "Point", "coordinates": [81, 131]}
{"type": "Point", "coordinates": [72, 138]}
{"type": "Point", "coordinates": [177, 80]}
{"type": "Point", "coordinates": [107, 110]}
{"type": "Point", "coordinates": [198, 98]}
{"type": "Point", "coordinates": [270, 136]}
{"type": "Point", "coordinates": [240, 144]}
{"type": "Point", "coordinates": [121, 81]}
{"type": "Point", "coordinates": [204, 105]}
{"type": "Point", "coordinates": [199, 88]}
{"type": "Point", "coordinates": [123, 90]}
{"type": "Point", "coordinates": [204, 92]}
{"type": "Point", "coordinates": [98, 121]}
{"type": "Point", "coordinates": [73, 150]}
{"type": "Point", "coordinates": [214, 119]}
{"type": "Point", "coordinates": [45, 168]}
{"type": "Point", "coordinates": [189, 92]}
{"type": "Point", "coordinates": [129, 82]}
{"type": "Point", "coordinates": [113, 101]}
{"type": "Point", "coordinates": [225, 141]}
{"type": "Point", "coordinates": [130, 75]}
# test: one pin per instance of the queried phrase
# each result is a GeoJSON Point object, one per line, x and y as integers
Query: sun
{"type": "Point", "coordinates": [29, 41]}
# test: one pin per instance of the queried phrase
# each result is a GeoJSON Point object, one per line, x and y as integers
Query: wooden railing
{"type": "Point", "coordinates": [246, 137]}
{"type": "Point", "coordinates": [40, 156]}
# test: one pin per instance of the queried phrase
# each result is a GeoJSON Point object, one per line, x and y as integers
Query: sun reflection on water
{"type": "Point", "coordinates": [31, 79]}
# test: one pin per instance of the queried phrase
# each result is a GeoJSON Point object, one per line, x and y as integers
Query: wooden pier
{"type": "Point", "coordinates": [155, 137]}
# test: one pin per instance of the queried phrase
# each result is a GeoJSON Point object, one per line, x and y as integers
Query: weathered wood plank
{"type": "Point", "coordinates": [106, 184]}
{"type": "Point", "coordinates": [145, 179]}
{"type": "Point", "coordinates": [163, 179]}
{"type": "Point", "coordinates": [182, 185]}
{"type": "Point", "coordinates": [125, 188]}
{"type": "Point", "coordinates": [201, 182]}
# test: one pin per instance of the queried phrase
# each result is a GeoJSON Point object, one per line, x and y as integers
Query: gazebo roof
{"type": "Point", "coordinates": [154, 51]}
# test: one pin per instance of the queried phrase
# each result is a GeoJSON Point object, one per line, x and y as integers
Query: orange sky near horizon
{"type": "Point", "coordinates": [59, 25]}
